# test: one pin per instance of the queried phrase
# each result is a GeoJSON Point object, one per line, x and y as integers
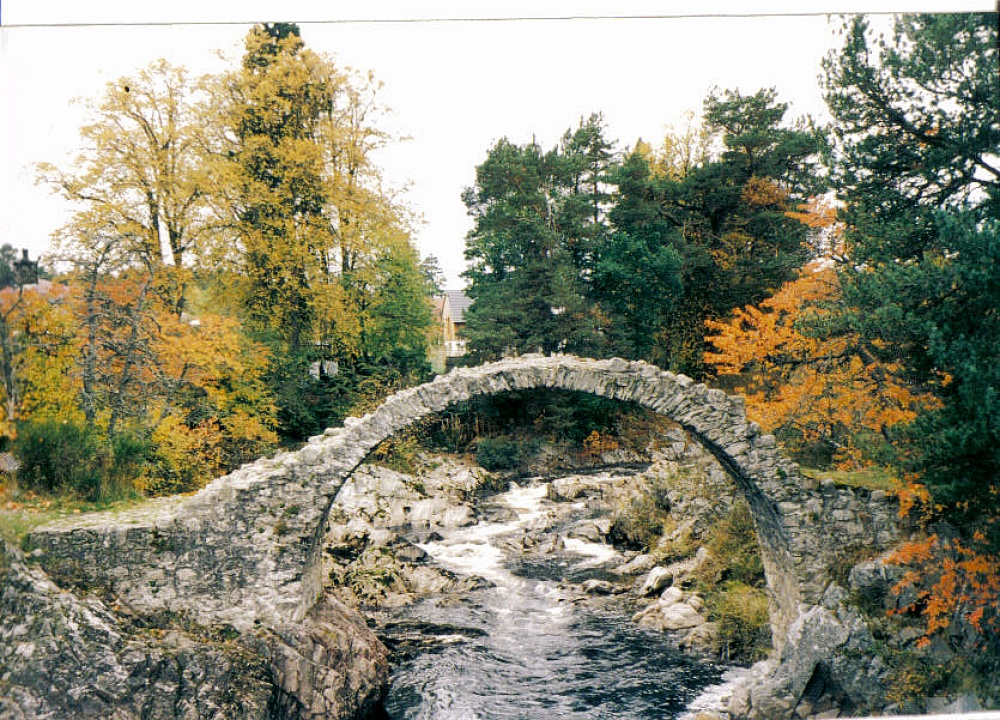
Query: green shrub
{"type": "Point", "coordinates": [500, 453]}
{"type": "Point", "coordinates": [741, 613]}
{"type": "Point", "coordinates": [70, 459]}
{"type": "Point", "coordinates": [401, 452]}
{"type": "Point", "coordinates": [60, 457]}
{"type": "Point", "coordinates": [639, 524]}
{"type": "Point", "coordinates": [130, 455]}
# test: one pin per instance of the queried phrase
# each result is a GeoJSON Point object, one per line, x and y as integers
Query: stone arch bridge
{"type": "Point", "coordinates": [247, 549]}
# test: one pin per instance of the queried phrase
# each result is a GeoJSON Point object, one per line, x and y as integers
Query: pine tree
{"type": "Point", "coordinates": [695, 235]}
{"type": "Point", "coordinates": [524, 252]}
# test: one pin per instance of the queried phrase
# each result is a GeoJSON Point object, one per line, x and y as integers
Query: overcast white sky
{"type": "Point", "coordinates": [455, 87]}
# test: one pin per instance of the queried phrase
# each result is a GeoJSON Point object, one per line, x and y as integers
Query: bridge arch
{"type": "Point", "coordinates": [769, 482]}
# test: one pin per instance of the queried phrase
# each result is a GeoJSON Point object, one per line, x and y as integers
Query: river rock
{"type": "Point", "coordinates": [598, 587]}
{"type": "Point", "coordinates": [566, 488]}
{"type": "Point", "coordinates": [636, 566]}
{"type": "Point", "coordinates": [549, 543]}
{"type": "Point", "coordinates": [386, 498]}
{"type": "Point", "coordinates": [329, 665]}
{"type": "Point", "coordinates": [409, 553]}
{"type": "Point", "coordinates": [682, 570]}
{"type": "Point", "coordinates": [669, 615]}
{"type": "Point", "coordinates": [64, 655]}
{"type": "Point", "coordinates": [423, 580]}
{"type": "Point", "coordinates": [594, 531]}
{"type": "Point", "coordinates": [439, 512]}
{"type": "Point", "coordinates": [379, 494]}
{"type": "Point", "coordinates": [514, 543]}
{"type": "Point", "coordinates": [542, 523]}
{"type": "Point", "coordinates": [657, 579]}
{"type": "Point", "coordinates": [671, 595]}
{"type": "Point", "coordinates": [382, 537]}
{"type": "Point", "coordinates": [702, 639]}
{"type": "Point", "coordinates": [452, 478]}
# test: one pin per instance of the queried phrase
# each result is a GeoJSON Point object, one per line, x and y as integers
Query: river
{"type": "Point", "coordinates": [526, 645]}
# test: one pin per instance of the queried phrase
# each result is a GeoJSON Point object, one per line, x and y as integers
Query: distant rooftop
{"type": "Point", "coordinates": [459, 303]}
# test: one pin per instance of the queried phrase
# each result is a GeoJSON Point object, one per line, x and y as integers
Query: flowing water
{"type": "Point", "coordinates": [525, 647]}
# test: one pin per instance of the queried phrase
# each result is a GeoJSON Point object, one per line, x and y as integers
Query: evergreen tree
{"type": "Point", "coordinates": [741, 201]}
{"type": "Point", "coordinates": [582, 168]}
{"type": "Point", "coordinates": [523, 252]}
{"type": "Point", "coordinates": [637, 274]}
{"type": "Point", "coordinates": [691, 240]}
{"type": "Point", "coordinates": [918, 124]}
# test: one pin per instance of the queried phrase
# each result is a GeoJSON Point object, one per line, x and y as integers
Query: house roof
{"type": "Point", "coordinates": [459, 302]}
{"type": "Point", "coordinates": [43, 287]}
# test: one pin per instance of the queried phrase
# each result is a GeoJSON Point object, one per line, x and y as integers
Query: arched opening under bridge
{"type": "Point", "coordinates": [769, 482]}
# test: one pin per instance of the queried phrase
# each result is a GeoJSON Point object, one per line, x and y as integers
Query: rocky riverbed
{"type": "Point", "coordinates": [445, 539]}
{"type": "Point", "coordinates": [448, 537]}
{"type": "Point", "coordinates": [384, 521]}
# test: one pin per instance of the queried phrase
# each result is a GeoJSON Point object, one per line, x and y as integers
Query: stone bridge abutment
{"type": "Point", "coordinates": [247, 549]}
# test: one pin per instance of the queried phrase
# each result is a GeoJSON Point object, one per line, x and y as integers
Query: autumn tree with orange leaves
{"type": "Point", "coordinates": [827, 401]}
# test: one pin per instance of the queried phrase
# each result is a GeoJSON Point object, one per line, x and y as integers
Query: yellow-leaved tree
{"type": "Point", "coordinates": [39, 345]}
{"type": "Point", "coordinates": [215, 411]}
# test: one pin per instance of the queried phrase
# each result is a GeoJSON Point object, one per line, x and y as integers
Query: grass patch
{"type": "Point", "coordinates": [734, 555]}
{"type": "Point", "coordinates": [732, 582]}
{"type": "Point", "coordinates": [741, 612]}
{"type": "Point", "coordinates": [20, 515]}
{"type": "Point", "coordinates": [872, 478]}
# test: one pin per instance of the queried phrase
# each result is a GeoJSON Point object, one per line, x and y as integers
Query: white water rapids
{"type": "Point", "coordinates": [526, 647]}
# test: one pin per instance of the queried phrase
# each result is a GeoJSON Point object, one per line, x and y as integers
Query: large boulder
{"type": "Point", "coordinates": [828, 661]}
{"type": "Point", "coordinates": [330, 665]}
{"type": "Point", "coordinates": [670, 613]}
{"type": "Point", "coordinates": [657, 579]}
{"type": "Point", "coordinates": [63, 655]}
